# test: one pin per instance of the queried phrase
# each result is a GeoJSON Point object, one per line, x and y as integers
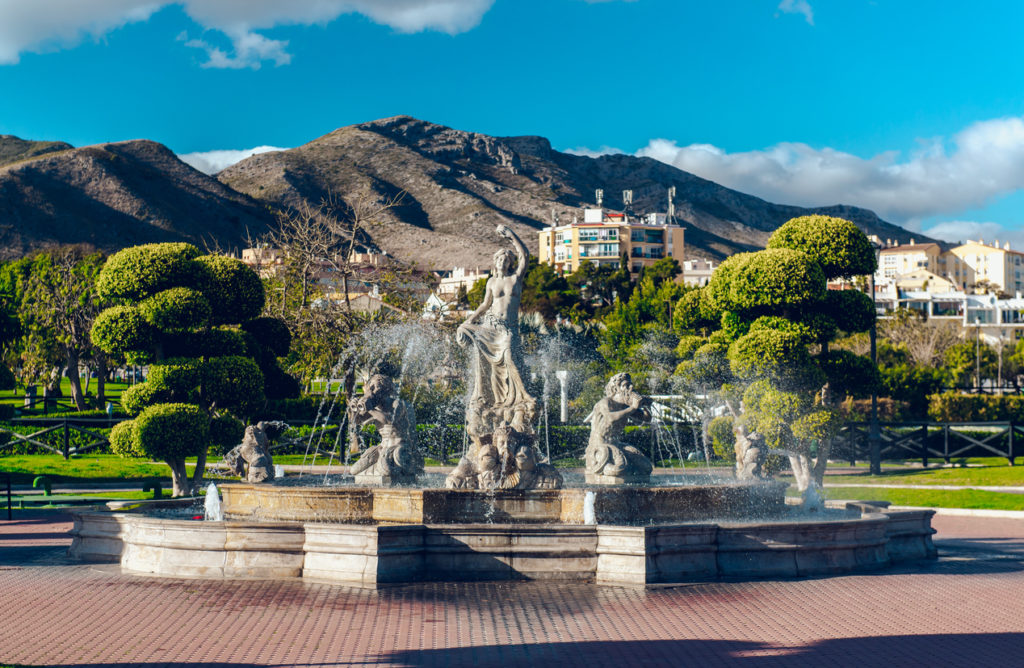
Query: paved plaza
{"type": "Point", "coordinates": [966, 609]}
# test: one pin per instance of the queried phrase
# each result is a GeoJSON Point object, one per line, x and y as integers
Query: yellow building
{"type": "Point", "coordinates": [999, 266]}
{"type": "Point", "coordinates": [604, 236]}
{"type": "Point", "coordinates": [899, 260]}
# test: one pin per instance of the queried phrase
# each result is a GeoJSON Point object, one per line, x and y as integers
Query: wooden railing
{"type": "Point", "coordinates": [932, 440]}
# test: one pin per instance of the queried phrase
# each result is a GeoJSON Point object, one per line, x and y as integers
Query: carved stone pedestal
{"type": "Point", "coordinates": [598, 479]}
{"type": "Point", "coordinates": [371, 480]}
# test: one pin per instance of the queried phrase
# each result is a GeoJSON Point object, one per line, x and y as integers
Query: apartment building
{"type": "Point", "coordinates": [604, 236]}
{"type": "Point", "coordinates": [997, 265]}
{"type": "Point", "coordinates": [898, 260]}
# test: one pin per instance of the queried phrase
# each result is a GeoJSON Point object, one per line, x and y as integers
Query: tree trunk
{"type": "Point", "coordinates": [101, 380]}
{"type": "Point", "coordinates": [74, 380]}
{"type": "Point", "coordinates": [179, 478]}
{"type": "Point", "coordinates": [197, 475]}
{"type": "Point", "coordinates": [818, 474]}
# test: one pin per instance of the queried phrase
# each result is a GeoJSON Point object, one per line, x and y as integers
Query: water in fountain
{"type": "Point", "coordinates": [213, 511]}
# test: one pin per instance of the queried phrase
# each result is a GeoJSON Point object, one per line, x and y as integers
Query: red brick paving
{"type": "Point", "coordinates": [967, 609]}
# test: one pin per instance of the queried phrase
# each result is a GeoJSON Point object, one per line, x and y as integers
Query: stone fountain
{"type": "Point", "coordinates": [504, 512]}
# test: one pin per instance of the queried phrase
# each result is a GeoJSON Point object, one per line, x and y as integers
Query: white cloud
{"type": "Point", "coordinates": [592, 153]}
{"type": "Point", "coordinates": [798, 7]}
{"type": "Point", "coordinates": [981, 162]}
{"type": "Point", "coordinates": [962, 230]}
{"type": "Point", "coordinates": [38, 25]}
{"type": "Point", "coordinates": [211, 162]}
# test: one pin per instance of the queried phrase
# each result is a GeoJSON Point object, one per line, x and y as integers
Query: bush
{"type": "Point", "coordinates": [304, 408]}
{"type": "Point", "coordinates": [176, 309]}
{"type": "Point", "coordinates": [836, 244]}
{"type": "Point", "coordinates": [172, 431]}
{"type": "Point", "coordinates": [270, 333]}
{"type": "Point", "coordinates": [234, 384]}
{"type": "Point", "coordinates": [122, 329]}
{"type": "Point", "coordinates": [140, 271]}
{"type": "Point", "coordinates": [123, 440]}
{"type": "Point", "coordinates": [225, 433]}
{"type": "Point", "coordinates": [956, 407]}
{"type": "Point", "coordinates": [723, 438]}
{"type": "Point", "coordinates": [233, 288]}
{"type": "Point", "coordinates": [137, 397]}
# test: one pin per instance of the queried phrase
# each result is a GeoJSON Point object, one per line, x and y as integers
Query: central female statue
{"type": "Point", "coordinates": [492, 331]}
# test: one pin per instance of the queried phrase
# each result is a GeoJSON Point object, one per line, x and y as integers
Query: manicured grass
{"type": "Point", "coordinates": [968, 498]}
{"type": "Point", "coordinates": [17, 396]}
{"type": "Point", "coordinates": [999, 475]}
{"type": "Point", "coordinates": [91, 468]}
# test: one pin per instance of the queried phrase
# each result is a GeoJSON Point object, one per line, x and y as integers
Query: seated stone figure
{"type": "Point", "coordinates": [396, 459]}
{"type": "Point", "coordinates": [508, 462]}
{"type": "Point", "coordinates": [251, 459]}
{"type": "Point", "coordinates": [608, 459]}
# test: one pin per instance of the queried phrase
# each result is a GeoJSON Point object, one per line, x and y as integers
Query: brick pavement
{"type": "Point", "coordinates": [967, 609]}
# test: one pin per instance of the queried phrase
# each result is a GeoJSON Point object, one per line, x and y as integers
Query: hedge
{"type": "Point", "coordinates": [958, 407]}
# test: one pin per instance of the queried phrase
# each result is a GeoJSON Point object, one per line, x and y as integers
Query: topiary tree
{"type": "Point", "coordinates": [195, 320]}
{"type": "Point", "coordinates": [768, 320]}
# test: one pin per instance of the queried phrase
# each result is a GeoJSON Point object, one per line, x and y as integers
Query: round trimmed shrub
{"type": "Point", "coordinates": [172, 431]}
{"type": "Point", "coordinates": [136, 398]}
{"type": "Point", "coordinates": [225, 433]}
{"type": "Point", "coordinates": [723, 439]}
{"type": "Point", "coordinates": [776, 277]}
{"type": "Point", "coordinates": [234, 289]}
{"type": "Point", "coordinates": [836, 244]}
{"type": "Point", "coordinates": [270, 333]}
{"type": "Point", "coordinates": [122, 329]}
{"type": "Point", "coordinates": [140, 271]}
{"type": "Point", "coordinates": [176, 309]}
{"type": "Point", "coordinates": [852, 310]}
{"type": "Point", "coordinates": [768, 353]}
{"type": "Point", "coordinates": [123, 440]}
{"type": "Point", "coordinates": [179, 377]}
{"type": "Point", "coordinates": [234, 384]}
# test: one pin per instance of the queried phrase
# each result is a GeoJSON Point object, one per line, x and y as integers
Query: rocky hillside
{"type": "Point", "coordinates": [115, 195]}
{"type": "Point", "coordinates": [459, 185]}
{"type": "Point", "coordinates": [14, 149]}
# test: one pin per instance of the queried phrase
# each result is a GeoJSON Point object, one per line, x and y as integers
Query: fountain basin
{"type": "Point", "coordinates": [408, 505]}
{"type": "Point", "coordinates": [373, 554]}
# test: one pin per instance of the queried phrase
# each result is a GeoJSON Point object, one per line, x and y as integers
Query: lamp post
{"type": "Point", "coordinates": [874, 432]}
{"type": "Point", "coordinates": [977, 351]}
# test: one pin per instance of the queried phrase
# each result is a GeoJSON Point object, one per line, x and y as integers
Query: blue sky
{"type": "Point", "coordinates": [915, 110]}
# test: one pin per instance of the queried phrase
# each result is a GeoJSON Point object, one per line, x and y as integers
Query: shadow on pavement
{"type": "Point", "coordinates": [946, 650]}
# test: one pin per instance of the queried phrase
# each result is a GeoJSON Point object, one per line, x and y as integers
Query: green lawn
{"type": "Point", "coordinates": [925, 497]}
{"type": "Point", "coordinates": [83, 468]}
{"type": "Point", "coordinates": [993, 475]}
{"type": "Point", "coordinates": [17, 396]}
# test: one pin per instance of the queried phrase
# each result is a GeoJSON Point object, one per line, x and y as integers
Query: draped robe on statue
{"type": "Point", "coordinates": [499, 393]}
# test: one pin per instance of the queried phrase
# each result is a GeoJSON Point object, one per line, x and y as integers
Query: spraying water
{"type": "Point", "coordinates": [213, 513]}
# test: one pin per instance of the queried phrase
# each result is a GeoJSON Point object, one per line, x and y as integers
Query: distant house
{"type": "Point", "coordinates": [697, 272]}
{"type": "Point", "coordinates": [603, 237]}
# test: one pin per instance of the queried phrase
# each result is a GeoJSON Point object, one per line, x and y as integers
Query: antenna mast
{"type": "Point", "coordinates": [671, 205]}
{"type": "Point", "coordinates": [599, 196]}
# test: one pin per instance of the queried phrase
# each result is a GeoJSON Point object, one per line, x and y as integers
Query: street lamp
{"type": "Point", "coordinates": [874, 431]}
{"type": "Point", "coordinates": [977, 351]}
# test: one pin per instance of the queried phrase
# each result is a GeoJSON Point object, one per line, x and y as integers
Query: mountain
{"type": "Point", "coordinates": [458, 185]}
{"type": "Point", "coordinates": [14, 149]}
{"type": "Point", "coordinates": [115, 195]}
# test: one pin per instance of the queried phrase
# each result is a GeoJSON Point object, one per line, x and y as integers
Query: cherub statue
{"type": "Point", "coordinates": [608, 459]}
{"type": "Point", "coordinates": [396, 458]}
{"type": "Point", "coordinates": [251, 459]}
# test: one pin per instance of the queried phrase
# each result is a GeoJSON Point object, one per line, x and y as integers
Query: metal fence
{"type": "Point", "coordinates": [932, 440]}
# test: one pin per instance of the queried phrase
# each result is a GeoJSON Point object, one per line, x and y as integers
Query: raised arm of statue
{"type": "Point", "coordinates": [521, 253]}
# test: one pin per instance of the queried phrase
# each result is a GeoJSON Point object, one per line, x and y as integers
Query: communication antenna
{"type": "Point", "coordinates": [627, 199]}
{"type": "Point", "coordinates": [554, 217]}
{"type": "Point", "coordinates": [671, 205]}
{"type": "Point", "coordinates": [599, 196]}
